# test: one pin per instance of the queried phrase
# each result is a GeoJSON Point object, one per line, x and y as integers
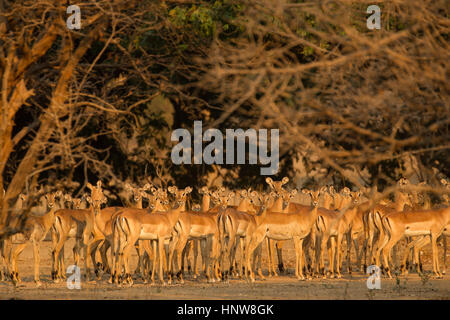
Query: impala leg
{"type": "Point", "coordinates": [339, 255]}
{"type": "Point", "coordinates": [139, 252]}
{"type": "Point", "coordinates": [14, 257]}
{"type": "Point", "coordinates": [161, 260]}
{"type": "Point", "coordinates": [37, 260]}
{"type": "Point", "coordinates": [444, 242]}
{"type": "Point", "coordinates": [57, 259]}
{"type": "Point", "coordinates": [333, 246]}
{"type": "Point", "coordinates": [272, 250]}
{"type": "Point", "coordinates": [279, 246]}
{"type": "Point", "coordinates": [392, 240]}
{"type": "Point", "coordinates": [196, 245]}
{"type": "Point", "coordinates": [257, 261]}
{"type": "Point", "coordinates": [434, 247]}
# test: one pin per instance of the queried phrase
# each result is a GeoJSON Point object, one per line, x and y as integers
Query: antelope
{"type": "Point", "coordinates": [5, 244]}
{"type": "Point", "coordinates": [131, 225]}
{"type": "Point", "coordinates": [430, 223]}
{"type": "Point", "coordinates": [375, 221]}
{"type": "Point", "coordinates": [236, 223]}
{"type": "Point", "coordinates": [277, 186]}
{"type": "Point", "coordinates": [74, 203]}
{"type": "Point", "coordinates": [77, 223]}
{"type": "Point", "coordinates": [35, 230]}
{"type": "Point", "coordinates": [205, 206]}
{"type": "Point", "coordinates": [285, 226]}
{"type": "Point", "coordinates": [201, 226]}
{"type": "Point", "coordinates": [327, 228]}
{"type": "Point", "coordinates": [344, 225]}
{"type": "Point", "coordinates": [421, 241]}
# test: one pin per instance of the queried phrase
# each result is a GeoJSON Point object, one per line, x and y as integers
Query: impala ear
{"type": "Point", "coordinates": [67, 197]}
{"type": "Point", "coordinates": [90, 186]}
{"type": "Point", "coordinates": [269, 181]}
{"type": "Point", "coordinates": [285, 180]}
{"type": "Point", "coordinates": [254, 194]}
{"type": "Point", "coordinates": [127, 186]}
{"type": "Point", "coordinates": [172, 189]}
{"type": "Point", "coordinates": [89, 199]}
{"type": "Point", "coordinates": [306, 191]}
{"type": "Point", "coordinates": [188, 190]}
{"type": "Point", "coordinates": [215, 195]}
{"type": "Point", "coordinates": [99, 184]}
{"type": "Point", "coordinates": [244, 193]}
{"type": "Point", "coordinates": [146, 186]}
{"type": "Point", "coordinates": [331, 190]}
{"type": "Point", "coordinates": [272, 194]}
{"type": "Point", "coordinates": [324, 189]}
{"type": "Point", "coordinates": [231, 195]}
{"type": "Point", "coordinates": [346, 190]}
{"type": "Point", "coordinates": [294, 192]}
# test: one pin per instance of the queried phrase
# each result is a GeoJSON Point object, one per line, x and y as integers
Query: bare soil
{"type": "Point", "coordinates": [285, 286]}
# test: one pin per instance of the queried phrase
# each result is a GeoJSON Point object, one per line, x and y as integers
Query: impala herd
{"type": "Point", "coordinates": [164, 233]}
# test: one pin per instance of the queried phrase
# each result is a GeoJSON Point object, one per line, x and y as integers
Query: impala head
{"type": "Point", "coordinates": [287, 196]}
{"type": "Point", "coordinates": [51, 198]}
{"type": "Point", "coordinates": [162, 196]}
{"type": "Point", "coordinates": [355, 196]}
{"type": "Point", "coordinates": [253, 197]}
{"type": "Point", "coordinates": [205, 191]}
{"type": "Point", "coordinates": [446, 198]}
{"type": "Point", "coordinates": [97, 198]}
{"type": "Point", "coordinates": [180, 195]}
{"type": "Point", "coordinates": [67, 198]}
{"type": "Point", "coordinates": [327, 193]}
{"type": "Point", "coordinates": [403, 182]}
{"type": "Point", "coordinates": [77, 203]}
{"type": "Point", "coordinates": [277, 186]}
{"type": "Point", "coordinates": [266, 200]}
{"type": "Point", "coordinates": [221, 198]}
{"type": "Point", "coordinates": [345, 192]}
{"type": "Point", "coordinates": [314, 196]}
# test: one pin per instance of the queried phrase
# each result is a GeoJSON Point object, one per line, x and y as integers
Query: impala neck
{"type": "Point", "coordinates": [206, 202]}
{"type": "Point", "coordinates": [400, 201]}
{"type": "Point", "coordinates": [139, 204]}
{"type": "Point", "coordinates": [95, 210]}
{"type": "Point", "coordinates": [174, 214]}
{"type": "Point", "coordinates": [427, 203]}
{"type": "Point", "coordinates": [260, 217]}
{"type": "Point", "coordinates": [183, 206]}
{"type": "Point", "coordinates": [49, 217]}
{"type": "Point", "coordinates": [277, 205]}
{"type": "Point", "coordinates": [314, 213]}
{"type": "Point", "coordinates": [328, 199]}
{"type": "Point", "coordinates": [244, 205]}
{"type": "Point", "coordinates": [158, 206]}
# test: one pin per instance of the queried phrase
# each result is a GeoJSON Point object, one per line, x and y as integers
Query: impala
{"type": "Point", "coordinates": [236, 224]}
{"type": "Point", "coordinates": [34, 231]}
{"type": "Point", "coordinates": [201, 226]}
{"type": "Point", "coordinates": [414, 223]}
{"type": "Point", "coordinates": [134, 224]}
{"type": "Point", "coordinates": [285, 226]}
{"type": "Point", "coordinates": [77, 223]}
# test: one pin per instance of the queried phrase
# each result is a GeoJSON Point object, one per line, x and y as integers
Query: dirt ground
{"type": "Point", "coordinates": [283, 287]}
